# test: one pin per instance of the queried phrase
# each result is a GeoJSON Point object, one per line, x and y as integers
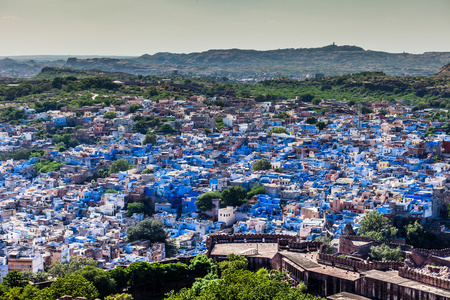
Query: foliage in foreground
{"type": "Point", "coordinates": [236, 282]}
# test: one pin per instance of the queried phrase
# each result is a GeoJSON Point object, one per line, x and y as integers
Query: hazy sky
{"type": "Point", "coordinates": [135, 27]}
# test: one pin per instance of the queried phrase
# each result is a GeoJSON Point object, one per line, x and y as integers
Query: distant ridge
{"type": "Point", "coordinates": [237, 63]}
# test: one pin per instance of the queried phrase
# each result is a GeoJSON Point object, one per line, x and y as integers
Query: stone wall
{"type": "Point", "coordinates": [436, 252]}
{"type": "Point", "coordinates": [427, 279]}
{"type": "Point", "coordinates": [360, 265]}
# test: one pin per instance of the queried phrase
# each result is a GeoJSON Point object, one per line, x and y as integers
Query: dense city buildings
{"type": "Point", "coordinates": [266, 180]}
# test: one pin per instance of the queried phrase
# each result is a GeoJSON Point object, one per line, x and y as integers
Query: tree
{"type": "Point", "coordinates": [377, 227]}
{"type": "Point", "coordinates": [15, 279]}
{"type": "Point", "coordinates": [19, 293]}
{"type": "Point", "coordinates": [135, 208]}
{"type": "Point", "coordinates": [119, 165]}
{"type": "Point", "coordinates": [147, 171]}
{"type": "Point", "coordinates": [366, 110]}
{"type": "Point", "coordinates": [311, 120]}
{"type": "Point", "coordinates": [383, 112]}
{"type": "Point", "coordinates": [262, 164]}
{"type": "Point", "coordinates": [122, 296]}
{"type": "Point", "coordinates": [204, 202]}
{"type": "Point", "coordinates": [281, 115]}
{"type": "Point", "coordinates": [417, 236]}
{"type": "Point", "coordinates": [316, 101]}
{"type": "Point", "coordinates": [278, 170]}
{"type": "Point", "coordinates": [231, 264]}
{"type": "Point", "coordinates": [233, 196]}
{"type": "Point", "coordinates": [74, 285]}
{"type": "Point", "coordinates": [306, 97]}
{"type": "Point", "coordinates": [147, 229]}
{"type": "Point", "coordinates": [385, 253]}
{"type": "Point", "coordinates": [150, 138]}
{"type": "Point", "coordinates": [35, 277]}
{"type": "Point", "coordinates": [60, 270]}
{"type": "Point", "coordinates": [110, 115]}
{"type": "Point", "coordinates": [321, 125]}
{"type": "Point", "coordinates": [256, 190]}
{"type": "Point", "coordinates": [104, 284]}
{"type": "Point", "coordinates": [166, 128]}
{"type": "Point", "coordinates": [201, 265]}
{"type": "Point", "coordinates": [430, 131]}
{"type": "Point", "coordinates": [110, 191]}
{"type": "Point", "coordinates": [133, 107]}
{"type": "Point", "coordinates": [277, 130]}
{"type": "Point", "coordinates": [207, 131]}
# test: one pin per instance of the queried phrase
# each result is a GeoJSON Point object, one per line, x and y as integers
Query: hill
{"type": "Point", "coordinates": [444, 71]}
{"type": "Point", "coordinates": [242, 64]}
{"type": "Point", "coordinates": [236, 63]}
{"type": "Point", "coordinates": [52, 72]}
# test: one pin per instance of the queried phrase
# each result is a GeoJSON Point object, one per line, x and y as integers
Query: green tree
{"type": "Point", "coordinates": [120, 276]}
{"type": "Point", "coordinates": [321, 125]}
{"type": "Point", "coordinates": [18, 293]}
{"type": "Point", "coordinates": [150, 138]}
{"type": "Point", "coordinates": [256, 190]}
{"type": "Point", "coordinates": [104, 284]}
{"type": "Point", "coordinates": [166, 128]}
{"type": "Point", "coordinates": [417, 236]}
{"type": "Point", "coordinates": [74, 285]}
{"type": "Point", "coordinates": [262, 164]}
{"type": "Point", "coordinates": [377, 227]}
{"type": "Point", "coordinates": [281, 115]}
{"type": "Point", "coordinates": [133, 108]}
{"type": "Point", "coordinates": [201, 265]}
{"type": "Point", "coordinates": [119, 165]}
{"type": "Point", "coordinates": [244, 284]}
{"type": "Point", "coordinates": [110, 191]}
{"type": "Point", "coordinates": [430, 131]}
{"type": "Point", "coordinates": [278, 170]}
{"type": "Point", "coordinates": [15, 279]}
{"type": "Point", "coordinates": [147, 171]}
{"type": "Point", "coordinates": [45, 166]}
{"type": "Point", "coordinates": [110, 115]}
{"type": "Point", "coordinates": [306, 97]}
{"type": "Point", "coordinates": [311, 120]}
{"type": "Point", "coordinates": [122, 296]}
{"type": "Point", "coordinates": [147, 229]}
{"type": "Point", "coordinates": [207, 131]}
{"type": "Point", "coordinates": [277, 130]}
{"type": "Point", "coordinates": [135, 208]}
{"type": "Point", "coordinates": [204, 202]}
{"type": "Point", "coordinates": [385, 253]}
{"type": "Point", "coordinates": [60, 270]}
{"type": "Point", "coordinates": [234, 196]}
{"type": "Point", "coordinates": [366, 110]}
{"type": "Point", "coordinates": [35, 277]}
{"type": "Point", "coordinates": [316, 101]}
{"type": "Point", "coordinates": [383, 112]}
{"type": "Point", "coordinates": [231, 264]}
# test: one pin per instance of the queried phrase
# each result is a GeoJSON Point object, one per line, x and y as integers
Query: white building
{"type": "Point", "coordinates": [227, 215]}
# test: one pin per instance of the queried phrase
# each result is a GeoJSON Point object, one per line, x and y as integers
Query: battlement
{"type": "Point", "coordinates": [406, 272]}
{"type": "Point", "coordinates": [427, 252]}
{"type": "Point", "coordinates": [359, 264]}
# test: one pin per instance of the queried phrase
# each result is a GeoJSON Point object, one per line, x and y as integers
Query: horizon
{"type": "Point", "coordinates": [259, 50]}
{"type": "Point", "coordinates": [137, 27]}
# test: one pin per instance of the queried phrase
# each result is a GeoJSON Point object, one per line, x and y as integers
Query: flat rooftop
{"type": "Point", "coordinates": [308, 261]}
{"type": "Point", "coordinates": [263, 249]}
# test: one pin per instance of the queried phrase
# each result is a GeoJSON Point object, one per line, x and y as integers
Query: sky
{"type": "Point", "coordinates": [136, 27]}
